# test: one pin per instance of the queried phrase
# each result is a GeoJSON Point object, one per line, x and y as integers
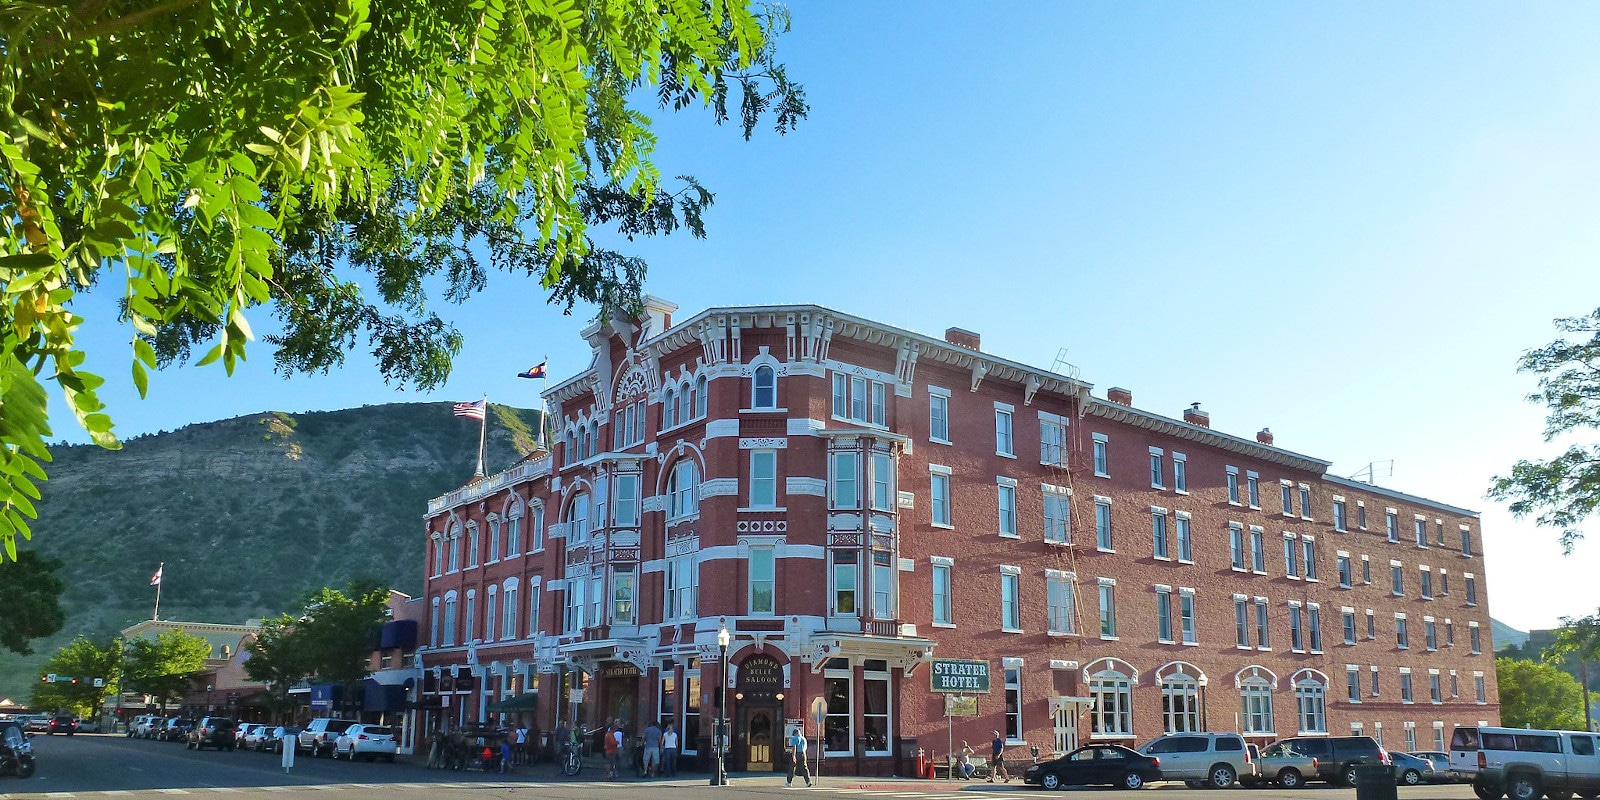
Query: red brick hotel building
{"type": "Point", "coordinates": [858, 503]}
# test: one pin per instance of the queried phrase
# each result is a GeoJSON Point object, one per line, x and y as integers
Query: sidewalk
{"type": "Point", "coordinates": [549, 772]}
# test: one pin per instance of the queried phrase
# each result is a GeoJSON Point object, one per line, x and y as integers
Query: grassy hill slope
{"type": "Point", "coordinates": [250, 513]}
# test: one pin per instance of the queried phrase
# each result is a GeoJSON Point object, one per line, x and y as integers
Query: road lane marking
{"type": "Point", "coordinates": [173, 791]}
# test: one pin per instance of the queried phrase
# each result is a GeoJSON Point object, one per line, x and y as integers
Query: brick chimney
{"type": "Point", "coordinates": [960, 337]}
{"type": "Point", "coordinates": [1120, 396]}
{"type": "Point", "coordinates": [1194, 416]}
{"type": "Point", "coordinates": [1264, 436]}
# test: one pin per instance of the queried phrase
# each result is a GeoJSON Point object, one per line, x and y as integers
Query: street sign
{"type": "Point", "coordinates": [819, 710]}
{"type": "Point", "coordinates": [99, 683]}
{"type": "Point", "coordinates": [960, 706]}
{"type": "Point", "coordinates": [959, 676]}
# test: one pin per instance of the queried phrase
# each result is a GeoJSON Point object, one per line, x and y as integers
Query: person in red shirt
{"type": "Point", "coordinates": [613, 746]}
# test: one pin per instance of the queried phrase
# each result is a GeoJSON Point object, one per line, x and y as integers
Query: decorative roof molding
{"type": "Point", "coordinates": [1117, 412]}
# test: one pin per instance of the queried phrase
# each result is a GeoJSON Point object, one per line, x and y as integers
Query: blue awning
{"type": "Point", "coordinates": [325, 695]}
{"type": "Point", "coordinates": [383, 696]}
{"type": "Point", "coordinates": [400, 633]}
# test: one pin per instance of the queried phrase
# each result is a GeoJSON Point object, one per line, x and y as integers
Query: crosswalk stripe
{"type": "Point", "coordinates": [173, 791]}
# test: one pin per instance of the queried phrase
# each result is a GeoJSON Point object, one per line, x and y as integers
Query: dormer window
{"type": "Point", "coordinates": [766, 388]}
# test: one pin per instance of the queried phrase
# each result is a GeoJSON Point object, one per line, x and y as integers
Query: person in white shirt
{"type": "Point", "coordinates": [669, 751]}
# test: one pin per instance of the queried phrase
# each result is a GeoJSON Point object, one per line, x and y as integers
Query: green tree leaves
{"type": "Point", "coordinates": [1538, 695]}
{"type": "Point", "coordinates": [29, 592]}
{"type": "Point", "coordinates": [85, 660]}
{"type": "Point", "coordinates": [1563, 491]}
{"type": "Point", "coordinates": [162, 667]}
{"type": "Point", "coordinates": [205, 158]}
{"type": "Point", "coordinates": [329, 640]}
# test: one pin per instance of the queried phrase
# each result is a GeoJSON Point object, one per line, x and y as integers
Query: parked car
{"type": "Point", "coordinates": [1525, 763]}
{"type": "Point", "coordinates": [1441, 764]}
{"type": "Point", "coordinates": [1212, 759]}
{"type": "Point", "coordinates": [317, 738]}
{"type": "Point", "coordinates": [176, 729]}
{"type": "Point", "coordinates": [1109, 764]}
{"type": "Point", "coordinates": [145, 726]}
{"type": "Point", "coordinates": [368, 742]}
{"type": "Point", "coordinates": [241, 734]}
{"type": "Point", "coordinates": [63, 723]}
{"type": "Point", "coordinates": [277, 736]}
{"type": "Point", "coordinates": [88, 726]}
{"type": "Point", "coordinates": [1337, 756]}
{"type": "Point", "coordinates": [212, 732]}
{"type": "Point", "coordinates": [35, 723]}
{"type": "Point", "coordinates": [1412, 771]}
{"type": "Point", "coordinates": [1283, 764]}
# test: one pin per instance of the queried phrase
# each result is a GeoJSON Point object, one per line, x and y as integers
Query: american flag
{"type": "Point", "coordinates": [473, 410]}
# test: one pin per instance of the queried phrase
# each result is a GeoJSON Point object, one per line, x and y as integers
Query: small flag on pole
{"type": "Point", "coordinates": [535, 371]}
{"type": "Point", "coordinates": [473, 410]}
{"type": "Point", "coordinates": [155, 580]}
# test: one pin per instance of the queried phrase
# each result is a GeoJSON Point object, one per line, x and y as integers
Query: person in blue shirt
{"type": "Point", "coordinates": [797, 757]}
{"type": "Point", "coordinates": [997, 762]}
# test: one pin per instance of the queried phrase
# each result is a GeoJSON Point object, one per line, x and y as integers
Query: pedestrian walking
{"type": "Point", "coordinates": [669, 750]}
{"type": "Point", "coordinates": [797, 757]}
{"type": "Point", "coordinates": [613, 749]}
{"type": "Point", "coordinates": [997, 763]}
{"type": "Point", "coordinates": [505, 754]}
{"type": "Point", "coordinates": [652, 750]}
{"type": "Point", "coordinates": [520, 746]}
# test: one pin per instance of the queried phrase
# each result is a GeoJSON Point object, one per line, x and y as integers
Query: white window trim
{"type": "Point", "coordinates": [1011, 416]}
{"type": "Point", "coordinates": [1105, 441]}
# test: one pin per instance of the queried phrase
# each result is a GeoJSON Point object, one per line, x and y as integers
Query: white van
{"type": "Point", "coordinates": [1525, 763]}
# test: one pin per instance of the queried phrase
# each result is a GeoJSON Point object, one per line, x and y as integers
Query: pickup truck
{"type": "Point", "coordinates": [1526, 764]}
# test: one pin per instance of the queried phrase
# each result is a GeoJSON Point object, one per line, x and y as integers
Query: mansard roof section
{"type": "Point", "coordinates": [1401, 496]}
{"type": "Point", "coordinates": [1184, 430]}
{"type": "Point", "coordinates": [691, 331]}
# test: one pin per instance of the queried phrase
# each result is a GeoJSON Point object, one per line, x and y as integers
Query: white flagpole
{"type": "Point", "coordinates": [161, 578]}
{"type": "Point", "coordinates": [545, 431]}
{"type": "Point", "coordinates": [483, 429]}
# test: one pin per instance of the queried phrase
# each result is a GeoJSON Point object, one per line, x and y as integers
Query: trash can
{"type": "Point", "coordinates": [1375, 782]}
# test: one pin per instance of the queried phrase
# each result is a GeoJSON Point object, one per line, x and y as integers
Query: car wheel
{"type": "Point", "coordinates": [1350, 775]}
{"type": "Point", "coordinates": [1289, 778]}
{"type": "Point", "coordinates": [1222, 776]}
{"type": "Point", "coordinates": [1050, 781]}
{"type": "Point", "coordinates": [25, 768]}
{"type": "Point", "coordinates": [1411, 777]}
{"type": "Point", "coordinates": [1133, 780]}
{"type": "Point", "coordinates": [1524, 787]}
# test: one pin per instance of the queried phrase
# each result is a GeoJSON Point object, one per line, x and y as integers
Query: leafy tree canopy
{"type": "Point", "coordinates": [29, 591]}
{"type": "Point", "coordinates": [1538, 695]}
{"type": "Point", "coordinates": [1562, 492]}
{"type": "Point", "coordinates": [162, 667]}
{"type": "Point", "coordinates": [85, 660]}
{"type": "Point", "coordinates": [329, 640]}
{"type": "Point", "coordinates": [202, 159]}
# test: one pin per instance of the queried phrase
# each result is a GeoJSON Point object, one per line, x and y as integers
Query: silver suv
{"type": "Point", "coordinates": [1208, 759]}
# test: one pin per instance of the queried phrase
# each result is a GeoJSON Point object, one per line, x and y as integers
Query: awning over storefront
{"type": "Point", "coordinates": [522, 702]}
{"type": "Point", "coordinates": [383, 697]}
{"type": "Point", "coordinates": [588, 654]}
{"type": "Point", "coordinates": [326, 695]}
{"type": "Point", "coordinates": [905, 652]}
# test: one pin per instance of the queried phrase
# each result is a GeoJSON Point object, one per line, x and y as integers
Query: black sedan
{"type": "Point", "coordinates": [1110, 764]}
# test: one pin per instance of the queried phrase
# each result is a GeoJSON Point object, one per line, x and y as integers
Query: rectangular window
{"type": "Point", "coordinates": [623, 593]}
{"type": "Point", "coordinates": [940, 489]}
{"type": "Point", "coordinates": [1444, 583]}
{"type": "Point", "coordinates": [1344, 571]}
{"type": "Point", "coordinates": [1258, 552]}
{"type": "Point", "coordinates": [1289, 565]}
{"type": "Point", "coordinates": [1405, 687]}
{"type": "Point", "coordinates": [1252, 485]}
{"type": "Point", "coordinates": [1233, 485]}
{"type": "Point", "coordinates": [1013, 703]}
{"type": "Point", "coordinates": [762, 579]}
{"type": "Point", "coordinates": [1262, 640]}
{"type": "Point", "coordinates": [1421, 532]}
{"type": "Point", "coordinates": [1296, 635]}
{"type": "Point", "coordinates": [1352, 679]}
{"type": "Point", "coordinates": [1061, 597]}
{"type": "Point", "coordinates": [1372, 625]}
{"type": "Point", "coordinates": [1477, 642]}
{"type": "Point", "coordinates": [1449, 633]}
{"type": "Point", "coordinates": [1186, 615]}
{"type": "Point", "coordinates": [845, 468]}
{"type": "Point", "coordinates": [1180, 473]}
{"type": "Point", "coordinates": [1481, 693]}
{"type": "Point", "coordinates": [1102, 524]}
{"type": "Point", "coordinates": [939, 418]}
{"type": "Point", "coordinates": [1287, 491]}
{"type": "Point", "coordinates": [1241, 621]}
{"type": "Point", "coordinates": [841, 395]}
{"type": "Point", "coordinates": [844, 583]}
{"type": "Point", "coordinates": [1052, 441]}
{"type": "Point", "coordinates": [941, 594]}
{"type": "Point", "coordinates": [1392, 524]}
{"type": "Point", "coordinates": [1163, 614]}
{"type": "Point", "coordinates": [1155, 468]}
{"type": "Point", "coordinates": [1402, 634]}
{"type": "Point", "coordinates": [1158, 533]}
{"type": "Point", "coordinates": [1057, 515]}
{"type": "Point", "coordinates": [1308, 554]}
{"type": "Point", "coordinates": [1366, 571]}
{"type": "Point", "coordinates": [875, 710]}
{"type": "Point", "coordinates": [535, 594]}
{"type": "Point", "coordinates": [1349, 618]}
{"type": "Point", "coordinates": [858, 398]}
{"type": "Point", "coordinates": [1305, 501]}
{"type": "Point", "coordinates": [1430, 634]}
{"type": "Point", "coordinates": [1426, 579]}
{"type": "Point", "coordinates": [1008, 510]}
{"type": "Point", "coordinates": [1472, 590]}
{"type": "Point", "coordinates": [1010, 601]}
{"type": "Point", "coordinates": [1003, 445]}
{"type": "Point", "coordinates": [1375, 685]}
{"type": "Point", "coordinates": [880, 404]}
{"type": "Point", "coordinates": [681, 586]}
{"type": "Point", "coordinates": [1185, 540]}
{"type": "Point", "coordinates": [1236, 545]}
{"type": "Point", "coordinates": [1361, 515]}
{"type": "Point", "coordinates": [764, 478]}
{"type": "Point", "coordinates": [1397, 581]}
{"type": "Point", "coordinates": [1466, 542]}
{"type": "Point", "coordinates": [883, 491]}
{"type": "Point", "coordinates": [883, 593]}
{"type": "Point", "coordinates": [1102, 459]}
{"type": "Point", "coordinates": [626, 507]}
{"type": "Point", "coordinates": [1108, 609]}
{"type": "Point", "coordinates": [1314, 624]}
{"type": "Point", "coordinates": [1338, 515]}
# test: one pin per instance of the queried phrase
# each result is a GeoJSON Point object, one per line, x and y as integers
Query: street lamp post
{"type": "Point", "coordinates": [720, 744]}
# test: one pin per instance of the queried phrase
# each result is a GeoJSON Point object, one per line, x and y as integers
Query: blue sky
{"type": "Point", "coordinates": [1344, 222]}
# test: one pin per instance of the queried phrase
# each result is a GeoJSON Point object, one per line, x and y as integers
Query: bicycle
{"type": "Point", "coordinates": [571, 764]}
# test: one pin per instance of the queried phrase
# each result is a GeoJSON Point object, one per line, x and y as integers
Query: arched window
{"type": "Point", "coordinates": [1111, 710]}
{"type": "Point", "coordinates": [514, 533]}
{"type": "Point", "coordinates": [1311, 703]}
{"type": "Point", "coordinates": [685, 402]}
{"type": "Point", "coordinates": [455, 548]}
{"type": "Point", "coordinates": [438, 555]}
{"type": "Point", "coordinates": [472, 544]}
{"type": "Point", "coordinates": [669, 399]}
{"type": "Point", "coordinates": [433, 624]}
{"type": "Point", "coordinates": [449, 619]}
{"type": "Point", "coordinates": [766, 388]}
{"type": "Point", "coordinates": [470, 629]}
{"type": "Point", "coordinates": [1180, 704]}
{"type": "Point", "coordinates": [494, 538]}
{"type": "Point", "coordinates": [681, 489]}
{"type": "Point", "coordinates": [578, 518]}
{"type": "Point", "coordinates": [700, 396]}
{"type": "Point", "coordinates": [508, 626]}
{"type": "Point", "coordinates": [1255, 696]}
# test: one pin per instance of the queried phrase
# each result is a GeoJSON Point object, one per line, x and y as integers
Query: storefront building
{"type": "Point", "coordinates": [855, 503]}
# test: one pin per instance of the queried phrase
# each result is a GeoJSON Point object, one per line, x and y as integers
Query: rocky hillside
{"type": "Point", "coordinates": [251, 513]}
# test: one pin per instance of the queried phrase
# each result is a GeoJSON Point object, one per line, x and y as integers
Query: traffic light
{"type": "Point", "coordinates": [51, 678]}
{"type": "Point", "coordinates": [74, 680]}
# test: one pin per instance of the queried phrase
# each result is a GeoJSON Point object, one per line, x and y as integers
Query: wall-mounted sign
{"type": "Point", "coordinates": [959, 676]}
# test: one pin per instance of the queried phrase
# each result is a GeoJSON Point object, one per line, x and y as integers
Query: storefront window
{"type": "Point", "coordinates": [691, 712]}
{"type": "Point", "coordinates": [668, 708]}
{"type": "Point", "coordinates": [836, 688]}
{"type": "Point", "coordinates": [875, 707]}
{"type": "Point", "coordinates": [1013, 703]}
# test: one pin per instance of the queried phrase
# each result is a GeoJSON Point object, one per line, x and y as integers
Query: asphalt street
{"type": "Point", "coordinates": [104, 766]}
